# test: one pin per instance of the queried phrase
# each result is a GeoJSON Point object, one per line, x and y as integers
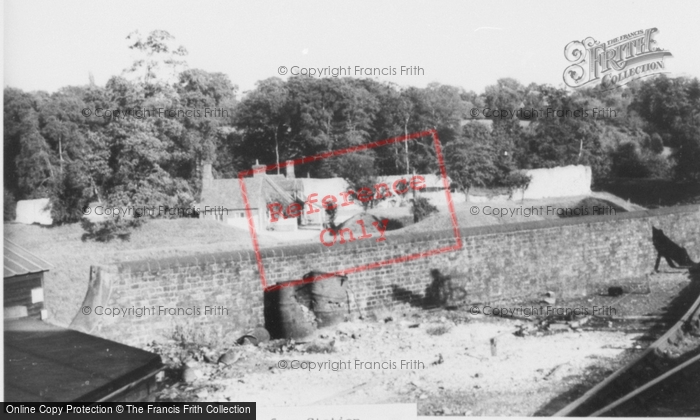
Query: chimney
{"type": "Point", "coordinates": [258, 169]}
{"type": "Point", "coordinates": [290, 169]}
{"type": "Point", "coordinates": [207, 176]}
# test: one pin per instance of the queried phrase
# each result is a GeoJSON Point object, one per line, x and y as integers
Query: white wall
{"type": "Point", "coordinates": [562, 181]}
{"type": "Point", "coordinates": [439, 198]}
{"type": "Point", "coordinates": [34, 211]}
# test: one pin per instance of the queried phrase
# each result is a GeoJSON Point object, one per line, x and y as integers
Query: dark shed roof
{"type": "Point", "coordinates": [19, 261]}
{"type": "Point", "coordinates": [48, 363]}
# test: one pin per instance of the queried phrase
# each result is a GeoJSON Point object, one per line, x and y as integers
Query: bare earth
{"type": "Point", "coordinates": [448, 365]}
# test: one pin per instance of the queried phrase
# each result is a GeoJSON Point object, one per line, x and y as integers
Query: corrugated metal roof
{"type": "Point", "coordinates": [19, 261]}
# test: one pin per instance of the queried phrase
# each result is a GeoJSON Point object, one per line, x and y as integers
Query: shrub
{"type": "Point", "coordinates": [656, 165]}
{"type": "Point", "coordinates": [656, 144]}
{"type": "Point", "coordinates": [393, 224]}
{"type": "Point", "coordinates": [110, 229]}
{"type": "Point", "coordinates": [422, 209]}
{"type": "Point", "coordinates": [629, 162]}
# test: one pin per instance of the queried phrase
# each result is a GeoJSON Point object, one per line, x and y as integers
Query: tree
{"type": "Point", "coordinates": [359, 171]}
{"type": "Point", "coordinates": [506, 94]}
{"type": "Point", "coordinates": [480, 158]}
{"type": "Point", "coordinates": [470, 164]}
{"type": "Point", "coordinates": [70, 194]}
{"type": "Point", "coordinates": [438, 107]}
{"type": "Point", "coordinates": [263, 117]}
{"type": "Point", "coordinates": [158, 59]}
{"type": "Point", "coordinates": [202, 135]}
{"type": "Point", "coordinates": [565, 140]}
{"type": "Point", "coordinates": [687, 155]}
{"type": "Point", "coordinates": [671, 108]}
{"type": "Point", "coordinates": [19, 119]}
{"type": "Point", "coordinates": [35, 169]}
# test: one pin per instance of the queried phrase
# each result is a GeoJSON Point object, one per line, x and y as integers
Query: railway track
{"type": "Point", "coordinates": [655, 381]}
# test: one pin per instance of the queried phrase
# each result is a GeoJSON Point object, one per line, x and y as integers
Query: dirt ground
{"type": "Point", "coordinates": [441, 359]}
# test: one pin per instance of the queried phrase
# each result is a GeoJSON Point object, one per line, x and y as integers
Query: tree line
{"type": "Point", "coordinates": [56, 149]}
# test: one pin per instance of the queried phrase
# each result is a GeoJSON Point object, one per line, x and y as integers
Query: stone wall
{"type": "Point", "coordinates": [570, 256]}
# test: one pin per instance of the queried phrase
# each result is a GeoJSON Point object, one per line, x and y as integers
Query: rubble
{"type": "Point", "coordinates": [464, 354]}
{"type": "Point", "coordinates": [549, 298]}
{"type": "Point", "coordinates": [190, 375]}
{"type": "Point", "coordinates": [229, 358]}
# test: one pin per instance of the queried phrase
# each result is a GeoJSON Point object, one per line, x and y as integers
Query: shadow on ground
{"type": "Point", "coordinates": [596, 374]}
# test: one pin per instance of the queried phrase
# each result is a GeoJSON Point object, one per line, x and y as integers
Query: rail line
{"type": "Point", "coordinates": [649, 374]}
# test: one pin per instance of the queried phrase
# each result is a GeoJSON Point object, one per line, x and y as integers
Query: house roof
{"type": "Point", "coordinates": [260, 190]}
{"type": "Point", "coordinates": [19, 261]}
{"type": "Point", "coordinates": [324, 186]}
{"type": "Point", "coordinates": [290, 185]}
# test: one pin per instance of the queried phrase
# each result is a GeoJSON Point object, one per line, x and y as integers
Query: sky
{"type": "Point", "coordinates": [471, 44]}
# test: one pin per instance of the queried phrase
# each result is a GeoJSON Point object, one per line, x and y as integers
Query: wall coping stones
{"type": "Point", "coordinates": [296, 250]}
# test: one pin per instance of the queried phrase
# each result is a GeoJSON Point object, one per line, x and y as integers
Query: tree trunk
{"type": "Point", "coordinates": [277, 153]}
{"type": "Point", "coordinates": [405, 143]}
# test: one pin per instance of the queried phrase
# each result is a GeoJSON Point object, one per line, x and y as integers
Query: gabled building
{"type": "Point", "coordinates": [222, 199]}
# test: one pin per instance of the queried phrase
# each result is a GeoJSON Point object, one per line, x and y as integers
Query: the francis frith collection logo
{"type": "Point", "coordinates": [615, 62]}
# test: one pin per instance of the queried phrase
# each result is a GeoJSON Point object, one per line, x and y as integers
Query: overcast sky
{"type": "Point", "coordinates": [49, 44]}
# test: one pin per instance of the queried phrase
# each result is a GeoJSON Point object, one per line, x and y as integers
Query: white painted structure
{"type": "Point", "coordinates": [562, 181]}
{"type": "Point", "coordinates": [34, 211]}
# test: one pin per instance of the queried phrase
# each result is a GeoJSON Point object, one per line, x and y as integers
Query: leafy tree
{"type": "Point", "coordinates": [158, 58]}
{"type": "Point", "coordinates": [561, 141]}
{"type": "Point", "coordinates": [19, 108]}
{"type": "Point", "coordinates": [470, 164]}
{"type": "Point", "coordinates": [203, 137]}
{"type": "Point", "coordinates": [35, 167]}
{"type": "Point", "coordinates": [629, 162]}
{"type": "Point", "coordinates": [71, 193]}
{"type": "Point", "coordinates": [671, 108]}
{"type": "Point", "coordinates": [263, 117]}
{"type": "Point", "coordinates": [483, 158]}
{"type": "Point", "coordinates": [360, 173]}
{"type": "Point", "coordinates": [506, 94]}
{"type": "Point", "coordinates": [687, 155]}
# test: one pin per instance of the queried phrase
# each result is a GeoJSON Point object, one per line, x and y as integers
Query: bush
{"type": "Point", "coordinates": [629, 162]}
{"type": "Point", "coordinates": [656, 144]}
{"type": "Point", "coordinates": [657, 166]}
{"type": "Point", "coordinates": [394, 224]}
{"type": "Point", "coordinates": [422, 209]}
{"type": "Point", "coordinates": [110, 229]}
